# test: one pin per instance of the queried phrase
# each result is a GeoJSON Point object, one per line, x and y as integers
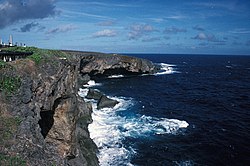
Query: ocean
{"type": "Point", "coordinates": [195, 111]}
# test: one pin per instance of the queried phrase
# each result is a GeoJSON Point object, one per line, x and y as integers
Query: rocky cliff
{"type": "Point", "coordinates": [43, 120]}
{"type": "Point", "coordinates": [97, 64]}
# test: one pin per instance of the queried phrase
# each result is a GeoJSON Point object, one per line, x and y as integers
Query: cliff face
{"type": "Point", "coordinates": [50, 121]}
{"type": "Point", "coordinates": [97, 64]}
{"type": "Point", "coordinates": [53, 119]}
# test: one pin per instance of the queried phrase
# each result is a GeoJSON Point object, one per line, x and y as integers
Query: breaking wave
{"type": "Point", "coordinates": [116, 76]}
{"type": "Point", "coordinates": [109, 129]}
{"type": "Point", "coordinates": [91, 83]}
{"type": "Point", "coordinates": [166, 69]}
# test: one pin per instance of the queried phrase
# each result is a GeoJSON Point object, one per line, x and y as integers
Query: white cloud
{"type": "Point", "coordinates": [139, 30]}
{"type": "Point", "coordinates": [174, 30]}
{"type": "Point", "coordinates": [62, 28]}
{"type": "Point", "coordinates": [230, 6]}
{"type": "Point", "coordinates": [240, 31]}
{"type": "Point", "coordinates": [106, 4]}
{"type": "Point", "coordinates": [105, 33]}
{"type": "Point", "coordinates": [208, 37]}
{"type": "Point", "coordinates": [176, 17]}
{"type": "Point", "coordinates": [69, 12]}
{"type": "Point", "coordinates": [201, 36]}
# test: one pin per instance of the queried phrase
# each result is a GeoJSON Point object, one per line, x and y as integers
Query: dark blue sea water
{"type": "Point", "coordinates": [198, 114]}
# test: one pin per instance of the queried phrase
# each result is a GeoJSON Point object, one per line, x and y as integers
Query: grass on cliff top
{"type": "Point", "coordinates": [2, 64]}
{"type": "Point", "coordinates": [20, 49]}
{"type": "Point", "coordinates": [38, 55]}
{"type": "Point", "coordinates": [9, 84]}
{"type": "Point", "coordinates": [9, 81]}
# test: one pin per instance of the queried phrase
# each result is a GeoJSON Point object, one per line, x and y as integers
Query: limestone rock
{"type": "Point", "coordinates": [112, 64]}
{"type": "Point", "coordinates": [106, 102]}
{"type": "Point", "coordinates": [94, 94]}
{"type": "Point", "coordinates": [50, 115]}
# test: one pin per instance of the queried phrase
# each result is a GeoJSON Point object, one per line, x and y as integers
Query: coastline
{"type": "Point", "coordinates": [51, 116]}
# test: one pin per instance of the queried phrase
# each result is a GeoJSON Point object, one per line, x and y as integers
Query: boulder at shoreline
{"type": "Point", "coordinates": [106, 102]}
{"type": "Point", "coordinates": [94, 94]}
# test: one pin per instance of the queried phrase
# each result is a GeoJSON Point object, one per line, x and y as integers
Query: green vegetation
{"type": "Point", "coordinates": [9, 81]}
{"type": "Point", "coordinates": [36, 57]}
{"type": "Point", "coordinates": [11, 161]}
{"type": "Point", "coordinates": [9, 84]}
{"type": "Point", "coordinates": [2, 64]}
{"type": "Point", "coordinates": [38, 54]}
{"type": "Point", "coordinates": [57, 53]}
{"type": "Point", "coordinates": [21, 49]}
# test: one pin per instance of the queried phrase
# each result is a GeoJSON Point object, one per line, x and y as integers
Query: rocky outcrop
{"type": "Point", "coordinates": [105, 102]}
{"type": "Point", "coordinates": [49, 121]}
{"type": "Point", "coordinates": [53, 127]}
{"type": "Point", "coordinates": [94, 94]}
{"type": "Point", "coordinates": [113, 64]}
{"type": "Point", "coordinates": [102, 100]}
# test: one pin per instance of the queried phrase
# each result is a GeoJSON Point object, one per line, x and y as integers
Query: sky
{"type": "Point", "coordinates": [130, 26]}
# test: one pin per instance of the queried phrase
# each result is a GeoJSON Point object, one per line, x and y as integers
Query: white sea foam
{"type": "Point", "coordinates": [106, 134]}
{"type": "Point", "coordinates": [146, 125]}
{"type": "Point", "coordinates": [83, 92]}
{"type": "Point", "coordinates": [166, 69]}
{"type": "Point", "coordinates": [109, 129]}
{"type": "Point", "coordinates": [116, 76]}
{"type": "Point", "coordinates": [91, 83]}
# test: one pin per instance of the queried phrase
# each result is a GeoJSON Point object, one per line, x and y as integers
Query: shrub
{"type": "Point", "coordinates": [9, 84]}
{"type": "Point", "coordinates": [2, 64]}
{"type": "Point", "coordinates": [36, 57]}
{"type": "Point", "coordinates": [21, 49]}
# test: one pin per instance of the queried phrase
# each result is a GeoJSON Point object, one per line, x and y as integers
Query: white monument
{"type": "Point", "coordinates": [10, 41]}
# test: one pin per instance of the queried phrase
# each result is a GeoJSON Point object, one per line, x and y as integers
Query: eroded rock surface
{"type": "Point", "coordinates": [94, 94]}
{"type": "Point", "coordinates": [105, 102]}
{"type": "Point", "coordinates": [112, 64]}
{"type": "Point", "coordinates": [54, 120]}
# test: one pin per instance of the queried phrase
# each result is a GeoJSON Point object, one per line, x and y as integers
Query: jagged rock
{"type": "Point", "coordinates": [26, 91]}
{"type": "Point", "coordinates": [51, 115]}
{"type": "Point", "coordinates": [112, 64]}
{"type": "Point", "coordinates": [106, 102]}
{"type": "Point", "coordinates": [94, 94]}
{"type": "Point", "coordinates": [83, 79]}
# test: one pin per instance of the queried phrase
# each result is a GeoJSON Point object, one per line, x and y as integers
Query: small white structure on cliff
{"type": "Point", "coordinates": [10, 41]}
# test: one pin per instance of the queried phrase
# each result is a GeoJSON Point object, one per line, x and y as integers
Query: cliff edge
{"type": "Point", "coordinates": [99, 64]}
{"type": "Point", "coordinates": [42, 119]}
